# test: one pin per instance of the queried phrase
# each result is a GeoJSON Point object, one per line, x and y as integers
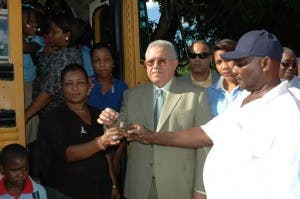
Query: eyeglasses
{"type": "Point", "coordinates": [160, 61]}
{"type": "Point", "coordinates": [287, 65]}
{"type": "Point", "coordinates": [200, 55]}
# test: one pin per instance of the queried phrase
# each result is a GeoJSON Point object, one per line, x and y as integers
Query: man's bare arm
{"type": "Point", "coordinates": [188, 138]}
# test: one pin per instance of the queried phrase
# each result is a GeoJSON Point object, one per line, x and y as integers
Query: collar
{"type": "Point", "coordinates": [28, 188]}
{"type": "Point", "coordinates": [206, 83]}
{"type": "Point", "coordinates": [220, 85]}
{"type": "Point", "coordinates": [165, 88]}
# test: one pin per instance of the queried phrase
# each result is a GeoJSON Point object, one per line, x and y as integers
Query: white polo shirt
{"type": "Point", "coordinates": [256, 151]}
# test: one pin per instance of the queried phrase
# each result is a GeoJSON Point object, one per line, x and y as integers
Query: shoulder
{"type": "Point", "coordinates": [139, 90]}
{"type": "Point", "coordinates": [38, 188]}
{"type": "Point", "coordinates": [185, 77]}
{"type": "Point", "coordinates": [215, 76]}
{"type": "Point", "coordinates": [56, 114]}
{"type": "Point", "coordinates": [38, 39]}
{"type": "Point", "coordinates": [120, 83]}
{"type": "Point", "coordinates": [185, 87]}
{"type": "Point", "coordinates": [212, 88]}
{"type": "Point", "coordinates": [66, 52]}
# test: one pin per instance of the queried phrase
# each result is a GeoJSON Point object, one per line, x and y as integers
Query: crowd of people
{"type": "Point", "coordinates": [217, 132]}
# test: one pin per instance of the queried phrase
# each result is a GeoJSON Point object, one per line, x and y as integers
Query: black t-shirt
{"type": "Point", "coordinates": [88, 178]}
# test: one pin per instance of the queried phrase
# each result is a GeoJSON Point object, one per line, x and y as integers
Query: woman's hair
{"type": "Point", "coordinates": [61, 5]}
{"type": "Point", "coordinates": [12, 151]}
{"type": "Point", "coordinates": [28, 10]}
{"type": "Point", "coordinates": [68, 24]}
{"type": "Point", "coordinates": [101, 45]}
{"type": "Point", "coordinates": [73, 67]}
{"type": "Point", "coordinates": [225, 44]}
{"type": "Point", "coordinates": [82, 32]}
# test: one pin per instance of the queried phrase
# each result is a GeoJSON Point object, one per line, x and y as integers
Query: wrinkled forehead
{"type": "Point", "coordinates": [157, 51]}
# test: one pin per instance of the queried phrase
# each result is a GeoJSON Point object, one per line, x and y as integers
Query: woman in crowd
{"type": "Point", "coordinates": [61, 52]}
{"type": "Point", "coordinates": [108, 92]}
{"type": "Point", "coordinates": [223, 92]}
{"type": "Point", "coordinates": [71, 137]}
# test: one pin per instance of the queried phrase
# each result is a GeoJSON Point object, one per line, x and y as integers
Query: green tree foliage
{"type": "Point", "coordinates": [216, 19]}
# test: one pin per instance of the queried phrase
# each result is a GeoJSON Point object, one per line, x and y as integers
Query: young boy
{"type": "Point", "coordinates": [16, 182]}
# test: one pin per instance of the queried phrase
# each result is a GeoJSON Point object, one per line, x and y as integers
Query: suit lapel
{"type": "Point", "coordinates": [171, 100]}
{"type": "Point", "coordinates": [147, 106]}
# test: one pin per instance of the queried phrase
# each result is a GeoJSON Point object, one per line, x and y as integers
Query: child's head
{"type": "Point", "coordinates": [14, 164]}
{"type": "Point", "coordinates": [29, 20]}
{"type": "Point", "coordinates": [102, 59]}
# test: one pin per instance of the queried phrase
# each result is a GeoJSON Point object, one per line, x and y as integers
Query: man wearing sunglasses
{"type": "Point", "coordinates": [255, 151]}
{"type": "Point", "coordinates": [288, 67]}
{"type": "Point", "coordinates": [199, 61]}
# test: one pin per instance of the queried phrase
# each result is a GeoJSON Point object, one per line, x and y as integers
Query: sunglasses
{"type": "Point", "coordinates": [287, 65]}
{"type": "Point", "coordinates": [200, 55]}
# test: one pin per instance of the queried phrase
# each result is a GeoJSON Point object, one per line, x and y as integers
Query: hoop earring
{"type": "Point", "coordinates": [67, 39]}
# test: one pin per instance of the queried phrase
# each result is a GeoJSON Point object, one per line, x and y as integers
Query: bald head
{"type": "Point", "coordinates": [199, 43]}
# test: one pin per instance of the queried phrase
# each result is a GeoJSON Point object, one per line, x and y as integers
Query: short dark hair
{"type": "Point", "coordinates": [73, 67]}
{"type": "Point", "coordinates": [68, 24]}
{"type": "Point", "coordinates": [225, 44]}
{"type": "Point", "coordinates": [12, 151]}
{"type": "Point", "coordinates": [100, 45]}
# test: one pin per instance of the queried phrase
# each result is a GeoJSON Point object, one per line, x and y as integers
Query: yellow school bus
{"type": "Point", "coordinates": [12, 121]}
{"type": "Point", "coordinates": [122, 23]}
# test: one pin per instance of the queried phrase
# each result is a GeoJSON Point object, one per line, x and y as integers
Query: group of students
{"type": "Point", "coordinates": [53, 56]}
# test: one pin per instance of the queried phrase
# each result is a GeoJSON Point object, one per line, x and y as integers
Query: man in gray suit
{"type": "Point", "coordinates": [158, 172]}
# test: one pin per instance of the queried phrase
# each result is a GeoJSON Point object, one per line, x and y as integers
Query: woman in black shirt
{"type": "Point", "coordinates": [76, 163]}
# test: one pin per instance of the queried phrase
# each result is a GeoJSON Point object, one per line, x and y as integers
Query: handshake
{"type": "Point", "coordinates": [116, 132]}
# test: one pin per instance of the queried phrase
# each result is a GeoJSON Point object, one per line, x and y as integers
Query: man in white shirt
{"type": "Point", "coordinates": [256, 142]}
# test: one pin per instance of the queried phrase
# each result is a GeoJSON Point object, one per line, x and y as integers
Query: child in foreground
{"type": "Point", "coordinates": [16, 182]}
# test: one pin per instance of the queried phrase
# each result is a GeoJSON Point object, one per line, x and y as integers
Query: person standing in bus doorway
{"type": "Point", "coordinates": [108, 92]}
{"type": "Point", "coordinates": [165, 103]}
{"type": "Point", "coordinates": [199, 61]}
{"type": "Point", "coordinates": [33, 46]}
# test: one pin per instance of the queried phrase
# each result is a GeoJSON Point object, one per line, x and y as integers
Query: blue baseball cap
{"type": "Point", "coordinates": [256, 43]}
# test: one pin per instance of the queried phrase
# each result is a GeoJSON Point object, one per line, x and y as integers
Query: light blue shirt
{"type": "Point", "coordinates": [165, 89]}
{"type": "Point", "coordinates": [29, 67]}
{"type": "Point", "coordinates": [87, 61]}
{"type": "Point", "coordinates": [295, 82]}
{"type": "Point", "coordinates": [219, 98]}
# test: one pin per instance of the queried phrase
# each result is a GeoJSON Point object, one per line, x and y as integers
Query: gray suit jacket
{"type": "Point", "coordinates": [177, 171]}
